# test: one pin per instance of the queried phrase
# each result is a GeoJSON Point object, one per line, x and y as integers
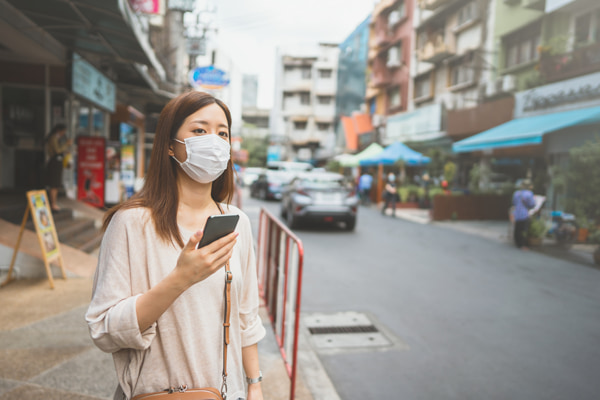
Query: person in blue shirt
{"type": "Point", "coordinates": [364, 188]}
{"type": "Point", "coordinates": [522, 201]}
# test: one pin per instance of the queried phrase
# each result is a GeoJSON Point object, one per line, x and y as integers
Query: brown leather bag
{"type": "Point", "coordinates": [207, 393]}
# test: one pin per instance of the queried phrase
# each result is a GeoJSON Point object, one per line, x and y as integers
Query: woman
{"type": "Point", "coordinates": [56, 149]}
{"type": "Point", "coordinates": [157, 301]}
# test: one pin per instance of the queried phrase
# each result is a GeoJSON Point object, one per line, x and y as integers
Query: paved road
{"type": "Point", "coordinates": [471, 318]}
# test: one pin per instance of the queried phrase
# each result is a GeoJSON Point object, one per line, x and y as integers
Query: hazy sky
{"type": "Point", "coordinates": [250, 30]}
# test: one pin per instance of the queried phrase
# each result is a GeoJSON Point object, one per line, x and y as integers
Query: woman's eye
{"type": "Point", "coordinates": [224, 134]}
{"type": "Point", "coordinates": [199, 130]}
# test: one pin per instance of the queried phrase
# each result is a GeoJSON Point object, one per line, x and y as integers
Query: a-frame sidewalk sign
{"type": "Point", "coordinates": [38, 206]}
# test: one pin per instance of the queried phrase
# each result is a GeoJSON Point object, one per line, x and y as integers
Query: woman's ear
{"type": "Point", "coordinates": [171, 153]}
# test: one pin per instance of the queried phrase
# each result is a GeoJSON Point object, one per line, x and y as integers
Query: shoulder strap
{"type": "Point", "coordinates": [226, 318]}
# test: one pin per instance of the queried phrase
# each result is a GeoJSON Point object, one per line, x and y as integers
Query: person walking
{"type": "Point", "coordinates": [158, 302]}
{"type": "Point", "coordinates": [522, 201]}
{"type": "Point", "coordinates": [390, 194]}
{"type": "Point", "coordinates": [365, 183]}
{"type": "Point", "coordinates": [56, 149]}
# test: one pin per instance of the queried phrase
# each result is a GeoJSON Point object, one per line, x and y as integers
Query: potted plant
{"type": "Point", "coordinates": [536, 232]}
{"type": "Point", "coordinates": [594, 238]}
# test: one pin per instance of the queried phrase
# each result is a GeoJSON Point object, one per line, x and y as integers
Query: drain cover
{"type": "Point", "coordinates": [344, 330]}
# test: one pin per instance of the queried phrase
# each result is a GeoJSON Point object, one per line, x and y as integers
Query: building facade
{"type": "Point", "coordinates": [304, 105]}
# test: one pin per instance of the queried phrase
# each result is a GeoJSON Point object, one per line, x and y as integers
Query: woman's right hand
{"type": "Point", "coordinates": [195, 265]}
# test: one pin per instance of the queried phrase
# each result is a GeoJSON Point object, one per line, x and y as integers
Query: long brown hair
{"type": "Point", "coordinates": [160, 193]}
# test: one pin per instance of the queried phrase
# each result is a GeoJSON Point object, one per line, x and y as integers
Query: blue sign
{"type": "Point", "coordinates": [89, 83]}
{"type": "Point", "coordinates": [208, 77]}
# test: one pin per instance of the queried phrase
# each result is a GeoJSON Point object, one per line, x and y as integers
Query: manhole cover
{"type": "Point", "coordinates": [344, 330]}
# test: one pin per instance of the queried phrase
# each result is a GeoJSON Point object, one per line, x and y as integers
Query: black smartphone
{"type": "Point", "coordinates": [218, 226]}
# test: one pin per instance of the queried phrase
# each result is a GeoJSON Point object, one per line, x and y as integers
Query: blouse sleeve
{"type": "Point", "coordinates": [251, 324]}
{"type": "Point", "coordinates": [111, 316]}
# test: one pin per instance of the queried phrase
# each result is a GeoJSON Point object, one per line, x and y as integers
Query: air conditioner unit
{"type": "Point", "coordinates": [509, 83]}
{"type": "Point", "coordinates": [393, 18]}
{"type": "Point", "coordinates": [490, 88]}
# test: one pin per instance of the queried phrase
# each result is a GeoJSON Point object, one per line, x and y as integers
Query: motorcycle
{"type": "Point", "coordinates": [563, 228]}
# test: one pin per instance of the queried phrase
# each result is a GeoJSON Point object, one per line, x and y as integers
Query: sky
{"type": "Point", "coordinates": [250, 30]}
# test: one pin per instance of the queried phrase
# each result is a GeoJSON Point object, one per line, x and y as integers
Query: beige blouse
{"type": "Point", "coordinates": [185, 345]}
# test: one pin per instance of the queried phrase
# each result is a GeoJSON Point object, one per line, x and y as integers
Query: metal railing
{"type": "Point", "coordinates": [280, 256]}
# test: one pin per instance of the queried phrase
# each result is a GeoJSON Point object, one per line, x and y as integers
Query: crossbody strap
{"type": "Point", "coordinates": [226, 317]}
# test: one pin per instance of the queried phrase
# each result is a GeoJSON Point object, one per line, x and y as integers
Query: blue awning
{"type": "Point", "coordinates": [526, 131]}
{"type": "Point", "coordinates": [394, 152]}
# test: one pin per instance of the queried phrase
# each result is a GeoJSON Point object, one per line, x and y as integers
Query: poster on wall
{"type": "Point", "coordinates": [90, 170]}
{"type": "Point", "coordinates": [128, 169]}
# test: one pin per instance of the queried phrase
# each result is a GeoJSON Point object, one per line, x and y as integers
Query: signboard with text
{"type": "Point", "coordinates": [91, 84]}
{"type": "Point", "coordinates": [90, 170]}
{"type": "Point", "coordinates": [209, 77]}
{"type": "Point", "coordinates": [145, 6]}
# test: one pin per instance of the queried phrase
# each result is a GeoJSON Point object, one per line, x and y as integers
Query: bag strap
{"type": "Point", "coordinates": [226, 318]}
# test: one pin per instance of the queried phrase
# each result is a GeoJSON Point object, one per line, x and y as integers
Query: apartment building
{"type": "Point", "coordinates": [388, 73]}
{"type": "Point", "coordinates": [304, 105]}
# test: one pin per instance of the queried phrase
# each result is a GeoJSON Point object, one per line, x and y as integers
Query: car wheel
{"type": "Point", "coordinates": [283, 212]}
{"type": "Point", "coordinates": [262, 194]}
{"type": "Point", "coordinates": [351, 224]}
{"type": "Point", "coordinates": [292, 222]}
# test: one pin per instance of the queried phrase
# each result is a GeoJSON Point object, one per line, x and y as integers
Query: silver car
{"type": "Point", "coordinates": [324, 197]}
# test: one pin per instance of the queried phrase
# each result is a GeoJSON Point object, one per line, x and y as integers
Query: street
{"type": "Point", "coordinates": [470, 318]}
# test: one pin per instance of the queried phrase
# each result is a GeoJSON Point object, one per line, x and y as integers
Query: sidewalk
{"type": "Point", "coordinates": [499, 231]}
{"type": "Point", "coordinates": [45, 349]}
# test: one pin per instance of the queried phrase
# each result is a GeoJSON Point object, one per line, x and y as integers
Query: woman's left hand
{"type": "Point", "coordinates": [255, 391]}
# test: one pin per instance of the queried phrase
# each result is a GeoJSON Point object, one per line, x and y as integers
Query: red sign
{"type": "Point", "coordinates": [145, 6]}
{"type": "Point", "coordinates": [90, 170]}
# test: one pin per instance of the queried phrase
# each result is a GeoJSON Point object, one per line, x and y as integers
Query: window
{"type": "Point", "coordinates": [325, 73]}
{"type": "Point", "coordinates": [467, 13]}
{"type": "Point", "coordinates": [587, 28]}
{"type": "Point", "coordinates": [463, 71]}
{"type": "Point", "coordinates": [323, 126]}
{"type": "Point", "coordinates": [422, 87]}
{"type": "Point", "coordinates": [521, 47]}
{"type": "Point", "coordinates": [299, 125]}
{"type": "Point", "coordinates": [288, 68]}
{"type": "Point", "coordinates": [306, 73]}
{"type": "Point", "coordinates": [325, 99]}
{"type": "Point", "coordinates": [394, 56]}
{"type": "Point", "coordinates": [305, 98]}
{"type": "Point", "coordinates": [394, 97]}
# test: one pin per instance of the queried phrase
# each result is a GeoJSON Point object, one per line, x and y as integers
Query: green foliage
{"type": "Point", "coordinates": [449, 171]}
{"type": "Point", "coordinates": [594, 237]}
{"type": "Point", "coordinates": [536, 229]}
{"type": "Point", "coordinates": [584, 180]}
{"type": "Point", "coordinates": [333, 166]}
{"type": "Point", "coordinates": [257, 151]}
{"type": "Point", "coordinates": [474, 177]}
{"type": "Point", "coordinates": [438, 159]}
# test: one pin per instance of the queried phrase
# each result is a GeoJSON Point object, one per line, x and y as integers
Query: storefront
{"type": "Point", "coordinates": [420, 129]}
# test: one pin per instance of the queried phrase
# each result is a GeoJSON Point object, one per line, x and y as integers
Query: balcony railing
{"type": "Point", "coordinates": [433, 4]}
{"type": "Point", "coordinates": [381, 78]}
{"type": "Point", "coordinates": [581, 61]}
{"type": "Point", "coordinates": [435, 50]}
{"type": "Point", "coordinates": [381, 7]}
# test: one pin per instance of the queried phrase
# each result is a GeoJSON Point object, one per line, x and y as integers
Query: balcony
{"type": "Point", "coordinates": [381, 7]}
{"type": "Point", "coordinates": [581, 61]}
{"type": "Point", "coordinates": [435, 50]}
{"type": "Point", "coordinates": [381, 39]}
{"type": "Point", "coordinates": [433, 4]}
{"type": "Point", "coordinates": [381, 78]}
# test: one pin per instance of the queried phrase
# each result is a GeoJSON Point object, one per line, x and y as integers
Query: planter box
{"type": "Point", "coordinates": [471, 207]}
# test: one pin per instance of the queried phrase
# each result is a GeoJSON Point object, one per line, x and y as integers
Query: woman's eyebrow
{"type": "Point", "coordinates": [201, 122]}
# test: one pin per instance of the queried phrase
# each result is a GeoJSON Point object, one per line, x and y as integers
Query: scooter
{"type": "Point", "coordinates": [563, 228]}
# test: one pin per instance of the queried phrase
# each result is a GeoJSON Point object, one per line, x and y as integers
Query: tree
{"type": "Point", "coordinates": [584, 180]}
{"type": "Point", "coordinates": [257, 151]}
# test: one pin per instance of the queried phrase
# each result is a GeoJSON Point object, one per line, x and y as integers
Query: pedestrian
{"type": "Point", "coordinates": [390, 194]}
{"type": "Point", "coordinates": [56, 150]}
{"type": "Point", "coordinates": [364, 188]}
{"type": "Point", "coordinates": [158, 302]}
{"type": "Point", "coordinates": [522, 201]}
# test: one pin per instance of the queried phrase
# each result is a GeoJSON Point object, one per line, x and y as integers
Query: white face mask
{"type": "Point", "coordinates": [207, 157]}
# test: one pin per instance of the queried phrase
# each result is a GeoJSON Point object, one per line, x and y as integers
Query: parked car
{"type": "Point", "coordinates": [320, 197]}
{"type": "Point", "coordinates": [250, 174]}
{"type": "Point", "coordinates": [269, 184]}
{"type": "Point", "coordinates": [290, 166]}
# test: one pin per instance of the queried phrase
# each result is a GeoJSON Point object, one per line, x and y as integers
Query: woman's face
{"type": "Point", "coordinates": [209, 120]}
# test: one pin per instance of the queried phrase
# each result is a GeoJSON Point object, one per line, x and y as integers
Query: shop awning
{"type": "Point", "coordinates": [526, 131]}
{"type": "Point", "coordinates": [107, 28]}
{"type": "Point", "coordinates": [354, 160]}
{"type": "Point", "coordinates": [395, 152]}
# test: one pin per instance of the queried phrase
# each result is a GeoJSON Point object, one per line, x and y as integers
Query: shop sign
{"type": "Point", "coordinates": [128, 169]}
{"type": "Point", "coordinates": [424, 123]}
{"type": "Point", "coordinates": [195, 46]}
{"type": "Point", "coordinates": [90, 170]}
{"type": "Point", "coordinates": [583, 91]}
{"type": "Point", "coordinates": [145, 6]}
{"type": "Point", "coordinates": [210, 78]}
{"type": "Point", "coordinates": [89, 83]}
{"type": "Point", "coordinates": [182, 5]}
